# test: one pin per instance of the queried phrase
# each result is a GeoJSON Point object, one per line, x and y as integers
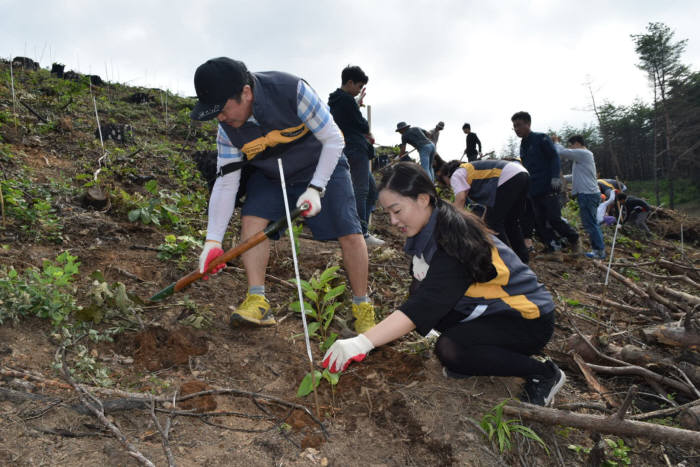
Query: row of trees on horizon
{"type": "Point", "coordinates": [648, 141]}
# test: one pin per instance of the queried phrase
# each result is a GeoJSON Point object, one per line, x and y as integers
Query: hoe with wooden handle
{"type": "Point", "coordinates": [229, 255]}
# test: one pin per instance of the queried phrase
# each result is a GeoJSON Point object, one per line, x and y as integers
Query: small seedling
{"type": "Point", "coordinates": [499, 430]}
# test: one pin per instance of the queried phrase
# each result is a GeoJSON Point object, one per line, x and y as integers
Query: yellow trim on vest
{"type": "Point", "coordinates": [474, 174]}
{"type": "Point", "coordinates": [273, 138]}
{"type": "Point", "coordinates": [608, 184]}
{"type": "Point", "coordinates": [493, 289]}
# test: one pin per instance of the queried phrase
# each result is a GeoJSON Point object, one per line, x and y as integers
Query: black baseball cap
{"type": "Point", "coordinates": [216, 81]}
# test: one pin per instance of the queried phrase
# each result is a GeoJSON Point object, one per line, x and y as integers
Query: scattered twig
{"type": "Point", "coordinates": [164, 433]}
{"type": "Point", "coordinates": [99, 413]}
{"type": "Point", "coordinates": [593, 382]}
{"type": "Point", "coordinates": [643, 372]}
{"type": "Point", "coordinates": [36, 114]}
{"type": "Point", "coordinates": [620, 415]}
{"type": "Point", "coordinates": [664, 412]}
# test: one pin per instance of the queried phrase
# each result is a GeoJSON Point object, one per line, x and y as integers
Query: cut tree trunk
{"type": "Point", "coordinates": [672, 335]}
{"type": "Point", "coordinates": [599, 424]}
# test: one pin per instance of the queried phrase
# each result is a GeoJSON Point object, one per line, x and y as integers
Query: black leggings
{"type": "Point", "coordinates": [496, 345]}
{"type": "Point", "coordinates": [509, 207]}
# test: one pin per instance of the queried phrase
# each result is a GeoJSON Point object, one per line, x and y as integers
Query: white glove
{"type": "Point", "coordinates": [212, 249]}
{"type": "Point", "coordinates": [345, 351]}
{"type": "Point", "coordinates": [556, 184]}
{"type": "Point", "coordinates": [313, 197]}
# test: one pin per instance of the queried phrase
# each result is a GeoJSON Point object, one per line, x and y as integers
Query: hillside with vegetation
{"type": "Point", "coordinates": [104, 204]}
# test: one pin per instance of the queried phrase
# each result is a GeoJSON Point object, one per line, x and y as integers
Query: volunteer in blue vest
{"type": "Point", "coordinates": [499, 185]}
{"type": "Point", "coordinates": [263, 117]}
{"type": "Point", "coordinates": [490, 311]}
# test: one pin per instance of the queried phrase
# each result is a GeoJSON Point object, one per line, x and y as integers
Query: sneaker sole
{"type": "Point", "coordinates": [549, 400]}
{"type": "Point", "coordinates": [237, 320]}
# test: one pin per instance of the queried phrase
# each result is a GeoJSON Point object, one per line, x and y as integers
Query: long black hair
{"type": "Point", "coordinates": [461, 234]}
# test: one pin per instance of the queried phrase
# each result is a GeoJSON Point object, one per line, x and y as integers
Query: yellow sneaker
{"type": "Point", "coordinates": [255, 309]}
{"type": "Point", "coordinates": [364, 316]}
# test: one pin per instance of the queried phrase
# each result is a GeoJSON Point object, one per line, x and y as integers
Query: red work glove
{"type": "Point", "coordinates": [313, 197]}
{"type": "Point", "coordinates": [212, 249]}
{"type": "Point", "coordinates": [345, 351]}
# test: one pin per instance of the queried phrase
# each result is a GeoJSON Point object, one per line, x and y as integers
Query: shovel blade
{"type": "Point", "coordinates": [166, 292]}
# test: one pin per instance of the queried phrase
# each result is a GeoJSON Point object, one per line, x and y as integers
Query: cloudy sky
{"type": "Point", "coordinates": [456, 61]}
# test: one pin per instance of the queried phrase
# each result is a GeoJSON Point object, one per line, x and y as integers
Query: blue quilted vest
{"type": "Point", "coordinates": [275, 108]}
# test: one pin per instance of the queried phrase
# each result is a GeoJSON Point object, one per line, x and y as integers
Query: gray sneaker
{"type": "Point", "coordinates": [373, 242]}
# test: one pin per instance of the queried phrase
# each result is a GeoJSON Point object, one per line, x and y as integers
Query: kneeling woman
{"type": "Point", "coordinates": [491, 311]}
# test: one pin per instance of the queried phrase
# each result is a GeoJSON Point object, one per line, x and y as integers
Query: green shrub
{"type": "Point", "coordinates": [46, 293]}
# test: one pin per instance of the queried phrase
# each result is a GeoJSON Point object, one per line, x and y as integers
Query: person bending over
{"type": "Point", "coordinates": [501, 186]}
{"type": "Point", "coordinates": [491, 312]}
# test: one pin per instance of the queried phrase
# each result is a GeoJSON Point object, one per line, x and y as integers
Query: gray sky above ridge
{"type": "Point", "coordinates": [456, 61]}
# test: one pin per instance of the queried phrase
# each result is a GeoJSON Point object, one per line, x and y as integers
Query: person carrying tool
{"type": "Point", "coordinates": [491, 312]}
{"type": "Point", "coordinates": [263, 117]}
{"type": "Point", "coordinates": [542, 162]}
{"type": "Point", "coordinates": [415, 136]}
{"type": "Point", "coordinates": [585, 188]}
{"type": "Point", "coordinates": [472, 142]}
{"type": "Point", "coordinates": [499, 185]}
{"type": "Point", "coordinates": [358, 149]}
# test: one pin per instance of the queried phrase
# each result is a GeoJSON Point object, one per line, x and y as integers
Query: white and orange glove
{"type": "Point", "coordinates": [312, 196]}
{"type": "Point", "coordinates": [346, 351]}
{"type": "Point", "coordinates": [212, 249]}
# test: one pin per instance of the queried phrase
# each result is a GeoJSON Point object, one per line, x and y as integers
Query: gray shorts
{"type": "Point", "coordinates": [338, 216]}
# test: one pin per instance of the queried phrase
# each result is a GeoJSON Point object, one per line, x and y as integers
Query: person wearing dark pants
{"type": "Point", "coordinates": [491, 311]}
{"type": "Point", "coordinates": [355, 128]}
{"type": "Point", "coordinates": [541, 160]}
{"type": "Point", "coordinates": [501, 186]}
{"type": "Point", "coordinates": [472, 142]}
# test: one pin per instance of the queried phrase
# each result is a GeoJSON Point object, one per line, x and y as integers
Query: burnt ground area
{"type": "Point", "coordinates": [394, 408]}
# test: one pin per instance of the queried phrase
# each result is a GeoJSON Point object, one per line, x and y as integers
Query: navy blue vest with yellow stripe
{"type": "Point", "coordinates": [275, 109]}
{"type": "Point", "coordinates": [515, 288]}
{"type": "Point", "coordinates": [482, 177]}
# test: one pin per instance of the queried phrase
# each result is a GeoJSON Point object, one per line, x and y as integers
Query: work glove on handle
{"type": "Point", "coordinates": [345, 351]}
{"type": "Point", "coordinates": [556, 184]}
{"type": "Point", "coordinates": [212, 249]}
{"type": "Point", "coordinates": [313, 197]}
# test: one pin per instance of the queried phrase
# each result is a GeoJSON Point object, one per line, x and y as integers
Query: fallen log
{"type": "Point", "coordinates": [631, 285]}
{"type": "Point", "coordinates": [675, 336]}
{"type": "Point", "coordinates": [598, 424]}
{"type": "Point", "coordinates": [690, 418]}
{"type": "Point", "coordinates": [633, 354]}
{"type": "Point", "coordinates": [689, 271]}
{"type": "Point", "coordinates": [692, 299]}
{"type": "Point", "coordinates": [664, 301]}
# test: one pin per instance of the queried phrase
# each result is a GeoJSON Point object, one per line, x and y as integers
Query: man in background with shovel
{"type": "Point", "coordinates": [263, 117]}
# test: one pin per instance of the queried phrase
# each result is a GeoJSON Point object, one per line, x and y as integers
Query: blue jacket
{"type": "Point", "coordinates": [540, 158]}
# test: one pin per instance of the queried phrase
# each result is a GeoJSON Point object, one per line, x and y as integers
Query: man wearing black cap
{"type": "Point", "coordinates": [417, 138]}
{"type": "Point", "coordinates": [263, 117]}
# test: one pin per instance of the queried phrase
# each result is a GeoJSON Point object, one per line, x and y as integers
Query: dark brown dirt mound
{"type": "Point", "coordinates": [201, 403]}
{"type": "Point", "coordinates": [156, 348]}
